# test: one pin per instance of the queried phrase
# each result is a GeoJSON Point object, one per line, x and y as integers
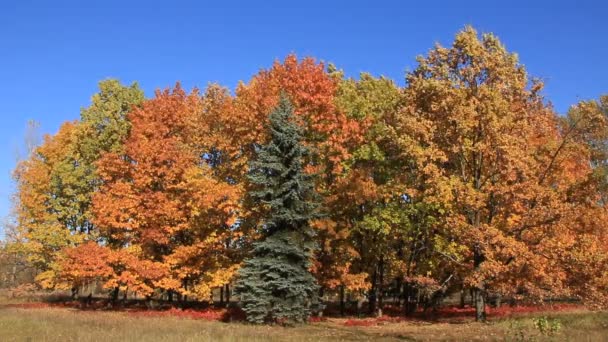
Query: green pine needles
{"type": "Point", "coordinates": [275, 284]}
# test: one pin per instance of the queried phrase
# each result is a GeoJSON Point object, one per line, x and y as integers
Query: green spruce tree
{"type": "Point", "coordinates": [275, 284]}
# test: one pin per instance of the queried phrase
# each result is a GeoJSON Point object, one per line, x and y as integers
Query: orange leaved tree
{"type": "Point", "coordinates": [160, 209]}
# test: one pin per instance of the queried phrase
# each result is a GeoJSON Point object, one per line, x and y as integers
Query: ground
{"type": "Point", "coordinates": [51, 322]}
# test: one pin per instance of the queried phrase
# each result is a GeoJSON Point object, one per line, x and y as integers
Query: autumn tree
{"type": "Point", "coordinates": [160, 209]}
{"type": "Point", "coordinates": [275, 284]}
{"type": "Point", "coordinates": [364, 199]}
{"type": "Point", "coordinates": [580, 158]}
{"type": "Point", "coordinates": [585, 122]}
{"type": "Point", "coordinates": [499, 164]}
{"type": "Point", "coordinates": [103, 128]}
{"type": "Point", "coordinates": [14, 255]}
{"type": "Point", "coordinates": [59, 178]}
{"type": "Point", "coordinates": [41, 234]}
{"type": "Point", "coordinates": [471, 117]}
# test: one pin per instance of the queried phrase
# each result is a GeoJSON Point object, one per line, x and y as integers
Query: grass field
{"type": "Point", "coordinates": [44, 323]}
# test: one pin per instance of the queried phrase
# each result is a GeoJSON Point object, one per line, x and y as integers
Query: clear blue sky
{"type": "Point", "coordinates": [53, 53]}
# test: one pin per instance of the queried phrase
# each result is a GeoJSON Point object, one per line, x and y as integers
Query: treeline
{"type": "Point", "coordinates": [463, 179]}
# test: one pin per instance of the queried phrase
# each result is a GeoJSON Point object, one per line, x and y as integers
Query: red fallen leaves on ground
{"type": "Point", "coordinates": [455, 312]}
{"type": "Point", "coordinates": [360, 322]}
{"type": "Point", "coordinates": [316, 319]}
{"type": "Point", "coordinates": [392, 314]}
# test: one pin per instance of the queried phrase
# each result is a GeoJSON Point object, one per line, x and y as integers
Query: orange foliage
{"type": "Point", "coordinates": [161, 209]}
{"type": "Point", "coordinates": [311, 91]}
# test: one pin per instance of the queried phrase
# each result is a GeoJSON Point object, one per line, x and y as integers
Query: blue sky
{"type": "Point", "coordinates": [53, 53]}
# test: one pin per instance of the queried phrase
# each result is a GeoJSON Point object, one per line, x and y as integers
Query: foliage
{"type": "Point", "coordinates": [547, 326]}
{"type": "Point", "coordinates": [498, 163]}
{"type": "Point", "coordinates": [57, 182]}
{"type": "Point", "coordinates": [161, 211]}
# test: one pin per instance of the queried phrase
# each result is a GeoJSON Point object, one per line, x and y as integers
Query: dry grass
{"type": "Point", "coordinates": [67, 324]}
{"type": "Point", "coordinates": [58, 324]}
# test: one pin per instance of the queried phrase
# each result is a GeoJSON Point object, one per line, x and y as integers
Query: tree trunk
{"type": "Point", "coordinates": [185, 297]}
{"type": "Point", "coordinates": [114, 295]}
{"type": "Point", "coordinates": [74, 292]}
{"type": "Point", "coordinates": [227, 293]}
{"type": "Point", "coordinates": [480, 291]}
{"type": "Point", "coordinates": [480, 305]}
{"type": "Point", "coordinates": [462, 297]}
{"type": "Point", "coordinates": [380, 291]}
{"type": "Point", "coordinates": [222, 295]}
{"type": "Point", "coordinates": [406, 299]}
{"type": "Point", "coordinates": [342, 300]}
{"type": "Point", "coordinates": [373, 294]}
{"type": "Point", "coordinates": [14, 276]}
{"type": "Point", "coordinates": [150, 303]}
{"type": "Point", "coordinates": [472, 294]}
{"type": "Point", "coordinates": [398, 295]}
{"type": "Point", "coordinates": [498, 300]}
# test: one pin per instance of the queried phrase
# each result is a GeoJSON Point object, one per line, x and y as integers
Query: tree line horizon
{"type": "Point", "coordinates": [465, 178]}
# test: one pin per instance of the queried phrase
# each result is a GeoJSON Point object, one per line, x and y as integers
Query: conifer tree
{"type": "Point", "coordinates": [275, 284]}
